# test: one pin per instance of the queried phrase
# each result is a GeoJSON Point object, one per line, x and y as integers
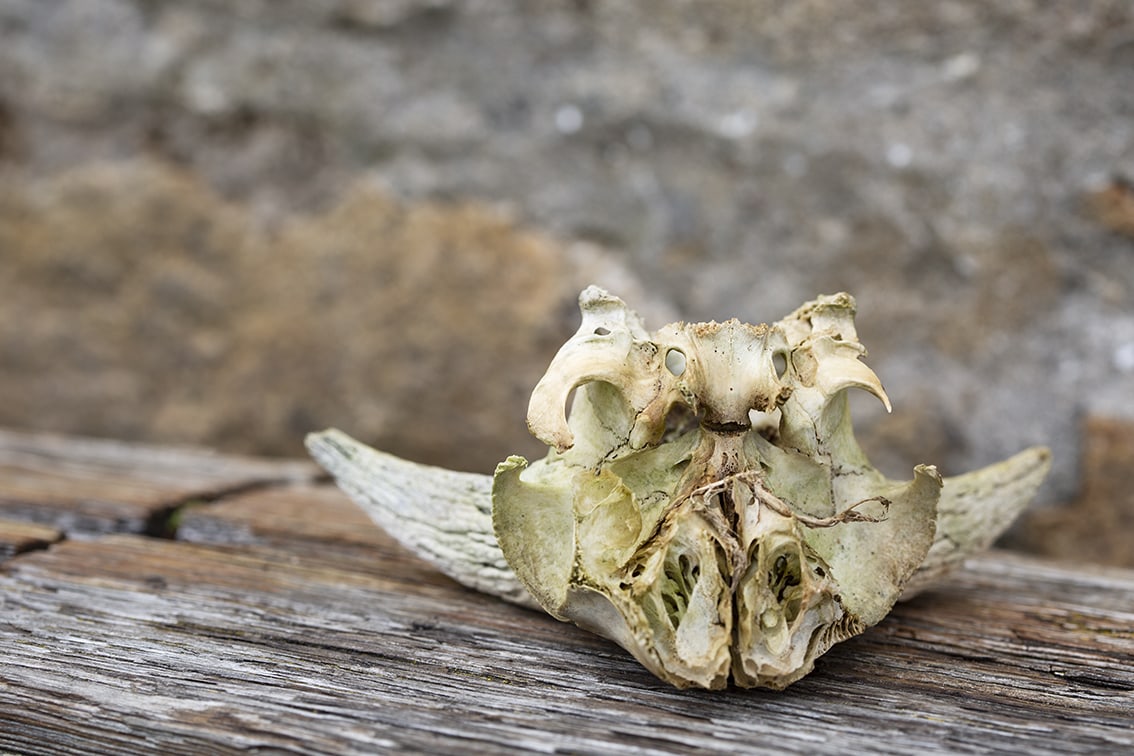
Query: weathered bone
{"type": "Point", "coordinates": [711, 552]}
{"type": "Point", "coordinates": [443, 516]}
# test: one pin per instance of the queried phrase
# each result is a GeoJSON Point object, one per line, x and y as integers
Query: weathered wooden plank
{"type": "Point", "coordinates": [98, 486]}
{"type": "Point", "coordinates": [292, 623]}
{"type": "Point", "coordinates": [124, 643]}
{"type": "Point", "coordinates": [292, 517]}
{"type": "Point", "coordinates": [16, 537]}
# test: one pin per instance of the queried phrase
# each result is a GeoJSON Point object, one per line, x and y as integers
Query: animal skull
{"type": "Point", "coordinates": [705, 546]}
{"type": "Point", "coordinates": [704, 504]}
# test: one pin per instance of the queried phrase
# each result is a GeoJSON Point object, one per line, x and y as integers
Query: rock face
{"type": "Point", "coordinates": [1099, 524]}
{"type": "Point", "coordinates": [958, 166]}
{"type": "Point", "coordinates": [138, 304]}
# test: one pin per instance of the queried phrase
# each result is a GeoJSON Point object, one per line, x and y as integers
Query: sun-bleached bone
{"type": "Point", "coordinates": [443, 516]}
{"type": "Point", "coordinates": [711, 549]}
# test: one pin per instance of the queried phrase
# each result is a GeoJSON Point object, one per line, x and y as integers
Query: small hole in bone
{"type": "Point", "coordinates": [767, 424]}
{"type": "Point", "coordinates": [600, 331]}
{"type": "Point", "coordinates": [679, 421]}
{"type": "Point", "coordinates": [675, 361]}
{"type": "Point", "coordinates": [779, 362]}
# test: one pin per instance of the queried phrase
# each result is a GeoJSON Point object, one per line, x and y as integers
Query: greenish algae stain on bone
{"type": "Point", "coordinates": [705, 503]}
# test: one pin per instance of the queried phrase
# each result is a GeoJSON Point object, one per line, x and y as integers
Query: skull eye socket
{"type": "Point", "coordinates": [675, 362]}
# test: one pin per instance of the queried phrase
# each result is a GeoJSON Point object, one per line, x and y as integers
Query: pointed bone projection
{"type": "Point", "coordinates": [704, 504]}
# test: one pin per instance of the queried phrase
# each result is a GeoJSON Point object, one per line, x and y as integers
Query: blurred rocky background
{"type": "Point", "coordinates": [229, 223]}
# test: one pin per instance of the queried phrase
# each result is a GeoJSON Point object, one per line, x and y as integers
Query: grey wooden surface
{"type": "Point", "coordinates": [280, 620]}
{"type": "Point", "coordinates": [95, 486]}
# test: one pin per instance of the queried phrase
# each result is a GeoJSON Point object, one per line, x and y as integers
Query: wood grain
{"type": "Point", "coordinates": [298, 518]}
{"type": "Point", "coordinates": [290, 624]}
{"type": "Point", "coordinates": [16, 537]}
{"type": "Point", "coordinates": [97, 486]}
